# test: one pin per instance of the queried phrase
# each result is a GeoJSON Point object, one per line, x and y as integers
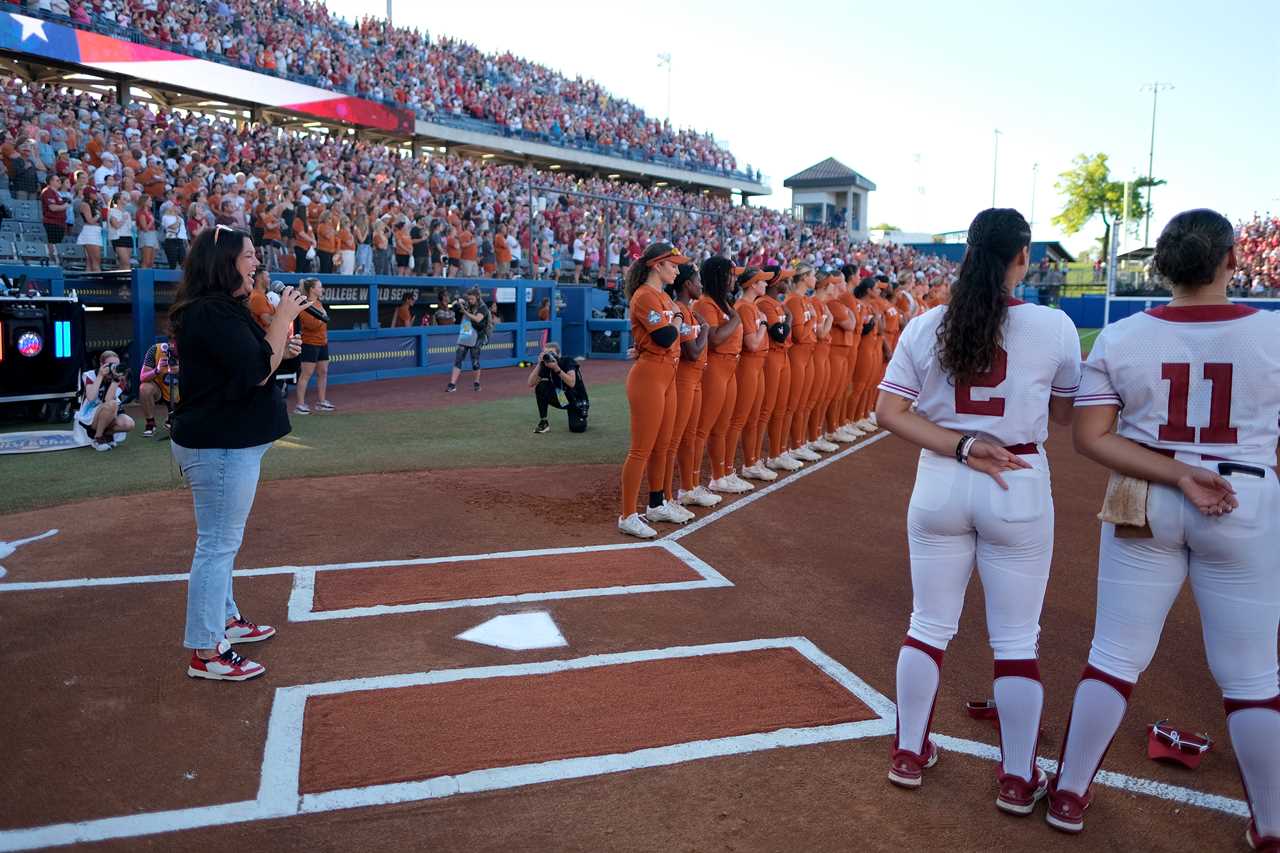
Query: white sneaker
{"type": "Point", "coordinates": [804, 453]}
{"type": "Point", "coordinates": [728, 485]}
{"type": "Point", "coordinates": [785, 463]}
{"type": "Point", "coordinates": [850, 429]}
{"type": "Point", "coordinates": [824, 445]}
{"type": "Point", "coordinates": [681, 512]}
{"type": "Point", "coordinates": [632, 525]}
{"type": "Point", "coordinates": [759, 472]}
{"type": "Point", "coordinates": [733, 477]}
{"type": "Point", "coordinates": [698, 496]}
{"type": "Point", "coordinates": [664, 513]}
{"type": "Point", "coordinates": [872, 417]}
{"type": "Point", "coordinates": [866, 425]}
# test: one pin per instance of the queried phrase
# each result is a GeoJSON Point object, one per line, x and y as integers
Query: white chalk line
{"type": "Point", "coordinates": [782, 482]}
{"type": "Point", "coordinates": [302, 597]}
{"type": "Point", "coordinates": [279, 796]}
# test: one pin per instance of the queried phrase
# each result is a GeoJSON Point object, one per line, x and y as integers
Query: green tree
{"type": "Point", "coordinates": [1090, 192]}
{"type": "Point", "coordinates": [884, 226]}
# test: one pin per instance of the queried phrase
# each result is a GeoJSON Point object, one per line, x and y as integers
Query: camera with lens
{"type": "Point", "coordinates": [548, 358]}
{"type": "Point", "coordinates": [116, 373]}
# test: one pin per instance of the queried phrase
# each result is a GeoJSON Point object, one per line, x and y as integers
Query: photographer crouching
{"type": "Point", "coordinates": [228, 413]}
{"type": "Point", "coordinates": [557, 384]}
{"type": "Point", "coordinates": [101, 414]}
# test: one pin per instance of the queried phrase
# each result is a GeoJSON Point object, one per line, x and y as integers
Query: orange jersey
{"type": "Point", "coordinates": [710, 312]}
{"type": "Point", "coordinates": [650, 310]}
{"type": "Point", "coordinates": [840, 313]}
{"type": "Point", "coordinates": [689, 332]}
{"type": "Point", "coordinates": [772, 311]}
{"type": "Point", "coordinates": [259, 305]}
{"type": "Point", "coordinates": [404, 315]}
{"type": "Point", "coordinates": [751, 320]}
{"type": "Point", "coordinates": [892, 319]}
{"type": "Point", "coordinates": [314, 332]}
{"type": "Point", "coordinates": [804, 324]}
{"type": "Point", "coordinates": [820, 311]}
{"type": "Point", "coordinates": [869, 313]}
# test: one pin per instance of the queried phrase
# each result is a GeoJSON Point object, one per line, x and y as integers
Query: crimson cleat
{"type": "Point", "coordinates": [1018, 796]}
{"type": "Point", "coordinates": [1066, 810]}
{"type": "Point", "coordinates": [906, 769]}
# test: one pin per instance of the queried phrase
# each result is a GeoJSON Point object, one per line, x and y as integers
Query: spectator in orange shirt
{"type": "Point", "coordinates": [502, 252]}
{"type": "Point", "coordinates": [315, 350]}
{"type": "Point", "coordinates": [327, 240]}
{"type": "Point", "coordinates": [403, 247]}
{"type": "Point", "coordinates": [467, 252]}
{"type": "Point", "coordinates": [404, 313]}
{"type": "Point", "coordinates": [346, 246]}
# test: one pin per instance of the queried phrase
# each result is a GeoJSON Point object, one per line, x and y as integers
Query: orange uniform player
{"type": "Point", "coordinates": [856, 313]}
{"type": "Point", "coordinates": [804, 337]}
{"type": "Point", "coordinates": [693, 363]}
{"type": "Point", "coordinates": [777, 373]}
{"type": "Point", "coordinates": [743, 424]}
{"type": "Point", "coordinates": [869, 359]}
{"type": "Point", "coordinates": [843, 329]}
{"type": "Point", "coordinates": [719, 383]}
{"type": "Point", "coordinates": [651, 385]}
{"type": "Point", "coordinates": [814, 408]}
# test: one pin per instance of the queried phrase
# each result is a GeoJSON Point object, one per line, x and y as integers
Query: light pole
{"type": "Point", "coordinates": [995, 163]}
{"type": "Point", "coordinates": [389, 13]}
{"type": "Point", "coordinates": [1035, 176]}
{"type": "Point", "coordinates": [1154, 89]}
{"type": "Point", "coordinates": [664, 61]}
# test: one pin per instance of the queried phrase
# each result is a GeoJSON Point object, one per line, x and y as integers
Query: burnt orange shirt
{"type": "Point", "coordinates": [346, 239]}
{"type": "Point", "coordinates": [302, 236]}
{"type": "Point", "coordinates": [501, 250]}
{"type": "Point", "coordinates": [751, 320]}
{"type": "Point", "coordinates": [650, 310]}
{"type": "Point", "coordinates": [404, 243]}
{"type": "Point", "coordinates": [689, 332]}
{"type": "Point", "coordinates": [453, 248]}
{"type": "Point", "coordinates": [271, 227]}
{"type": "Point", "coordinates": [804, 326]}
{"type": "Point", "coordinates": [820, 312]}
{"type": "Point", "coordinates": [326, 238]}
{"type": "Point", "coordinates": [404, 315]}
{"type": "Point", "coordinates": [259, 305]}
{"type": "Point", "coordinates": [840, 313]}
{"type": "Point", "coordinates": [467, 243]}
{"type": "Point", "coordinates": [314, 332]}
{"type": "Point", "coordinates": [870, 311]}
{"type": "Point", "coordinates": [710, 312]}
{"type": "Point", "coordinates": [773, 312]}
{"type": "Point", "coordinates": [892, 320]}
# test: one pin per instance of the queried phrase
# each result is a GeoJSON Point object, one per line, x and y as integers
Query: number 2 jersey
{"type": "Point", "coordinates": [1009, 404]}
{"type": "Point", "coordinates": [1199, 378]}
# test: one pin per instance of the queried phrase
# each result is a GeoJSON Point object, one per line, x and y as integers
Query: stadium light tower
{"type": "Point", "coordinates": [664, 61]}
{"type": "Point", "coordinates": [389, 13]}
{"type": "Point", "coordinates": [1154, 89]}
{"type": "Point", "coordinates": [1035, 176]}
{"type": "Point", "coordinates": [995, 163]}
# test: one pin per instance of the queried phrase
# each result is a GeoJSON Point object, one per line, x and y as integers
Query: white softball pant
{"type": "Point", "coordinates": [1233, 563]}
{"type": "Point", "coordinates": [958, 516]}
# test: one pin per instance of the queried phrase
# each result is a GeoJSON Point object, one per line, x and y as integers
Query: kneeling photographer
{"type": "Point", "coordinates": [557, 384]}
{"type": "Point", "coordinates": [101, 413]}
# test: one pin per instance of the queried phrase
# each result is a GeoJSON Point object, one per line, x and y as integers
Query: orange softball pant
{"type": "Point", "coordinates": [651, 395]}
{"type": "Point", "coordinates": [718, 396]}
{"type": "Point", "coordinates": [746, 409]}
{"type": "Point", "coordinates": [777, 385]}
{"type": "Point", "coordinates": [837, 386]}
{"type": "Point", "coordinates": [865, 374]}
{"type": "Point", "coordinates": [850, 398]}
{"type": "Point", "coordinates": [688, 404]}
{"type": "Point", "coordinates": [801, 358]}
{"type": "Point", "coordinates": [814, 409]}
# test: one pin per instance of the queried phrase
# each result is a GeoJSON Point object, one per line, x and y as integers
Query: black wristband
{"type": "Point", "coordinates": [962, 447]}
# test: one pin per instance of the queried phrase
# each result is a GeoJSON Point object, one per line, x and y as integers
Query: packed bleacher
{"type": "Point", "coordinates": [439, 79]}
{"type": "Point", "coordinates": [1258, 257]}
{"type": "Point", "coordinates": [135, 183]}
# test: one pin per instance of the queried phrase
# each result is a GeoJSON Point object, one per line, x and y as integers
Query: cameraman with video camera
{"type": "Point", "coordinates": [159, 382]}
{"type": "Point", "coordinates": [100, 410]}
{"type": "Point", "coordinates": [557, 384]}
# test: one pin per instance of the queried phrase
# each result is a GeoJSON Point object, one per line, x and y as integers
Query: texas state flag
{"type": "Point", "coordinates": [38, 36]}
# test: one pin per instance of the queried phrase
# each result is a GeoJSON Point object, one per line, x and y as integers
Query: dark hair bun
{"type": "Point", "coordinates": [1192, 246]}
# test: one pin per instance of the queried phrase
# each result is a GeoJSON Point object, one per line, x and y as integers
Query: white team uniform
{"type": "Point", "coordinates": [1200, 383]}
{"type": "Point", "coordinates": [958, 515]}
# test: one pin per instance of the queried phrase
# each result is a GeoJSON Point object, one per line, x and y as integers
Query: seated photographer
{"type": "Point", "coordinates": [100, 412]}
{"type": "Point", "coordinates": [159, 381]}
{"type": "Point", "coordinates": [552, 377]}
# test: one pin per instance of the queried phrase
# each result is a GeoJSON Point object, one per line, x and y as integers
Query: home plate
{"type": "Point", "coordinates": [517, 631]}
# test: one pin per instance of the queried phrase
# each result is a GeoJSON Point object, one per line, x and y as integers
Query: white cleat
{"type": "Point", "coordinates": [685, 514]}
{"type": "Point", "coordinates": [872, 417]}
{"type": "Point", "coordinates": [733, 477]}
{"type": "Point", "coordinates": [724, 484]}
{"type": "Point", "coordinates": [633, 525]}
{"type": "Point", "coordinates": [697, 497]}
{"type": "Point", "coordinates": [866, 425]}
{"type": "Point", "coordinates": [758, 471]}
{"type": "Point", "coordinates": [824, 445]}
{"type": "Point", "coordinates": [805, 454]}
{"type": "Point", "coordinates": [836, 436]}
{"type": "Point", "coordinates": [664, 513]}
{"type": "Point", "coordinates": [784, 463]}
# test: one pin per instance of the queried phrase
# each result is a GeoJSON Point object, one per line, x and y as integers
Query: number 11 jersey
{"type": "Point", "coordinates": [1199, 378]}
{"type": "Point", "coordinates": [1039, 357]}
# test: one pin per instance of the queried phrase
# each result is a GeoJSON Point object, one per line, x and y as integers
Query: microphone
{"type": "Point", "coordinates": [277, 288]}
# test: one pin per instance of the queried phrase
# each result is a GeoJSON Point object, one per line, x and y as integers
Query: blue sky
{"type": "Point", "coordinates": [909, 94]}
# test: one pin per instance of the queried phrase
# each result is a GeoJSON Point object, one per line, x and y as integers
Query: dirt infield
{"type": "Point", "coordinates": [731, 753]}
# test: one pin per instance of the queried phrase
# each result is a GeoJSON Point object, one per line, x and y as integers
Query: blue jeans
{"type": "Point", "coordinates": [223, 483]}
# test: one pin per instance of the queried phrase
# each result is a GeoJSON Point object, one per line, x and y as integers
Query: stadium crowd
{"type": "Point", "coordinates": [146, 181]}
{"type": "Point", "coordinates": [436, 78]}
{"type": "Point", "coordinates": [1258, 257]}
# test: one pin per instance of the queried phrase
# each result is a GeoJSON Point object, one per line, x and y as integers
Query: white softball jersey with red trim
{"type": "Point", "coordinates": [1039, 357]}
{"type": "Point", "coordinates": [1199, 379]}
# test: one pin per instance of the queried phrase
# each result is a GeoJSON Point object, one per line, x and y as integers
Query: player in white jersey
{"type": "Point", "coordinates": [1195, 384]}
{"type": "Point", "coordinates": [984, 374]}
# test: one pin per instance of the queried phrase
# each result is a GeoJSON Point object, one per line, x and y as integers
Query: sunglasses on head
{"type": "Point", "coordinates": [218, 229]}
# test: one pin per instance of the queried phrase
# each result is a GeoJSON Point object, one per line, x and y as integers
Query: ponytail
{"type": "Point", "coordinates": [638, 272]}
{"type": "Point", "coordinates": [716, 275]}
{"type": "Point", "coordinates": [970, 330]}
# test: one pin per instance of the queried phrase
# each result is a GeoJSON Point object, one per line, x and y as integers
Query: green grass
{"type": "Point", "coordinates": [490, 434]}
{"type": "Point", "coordinates": [1087, 337]}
